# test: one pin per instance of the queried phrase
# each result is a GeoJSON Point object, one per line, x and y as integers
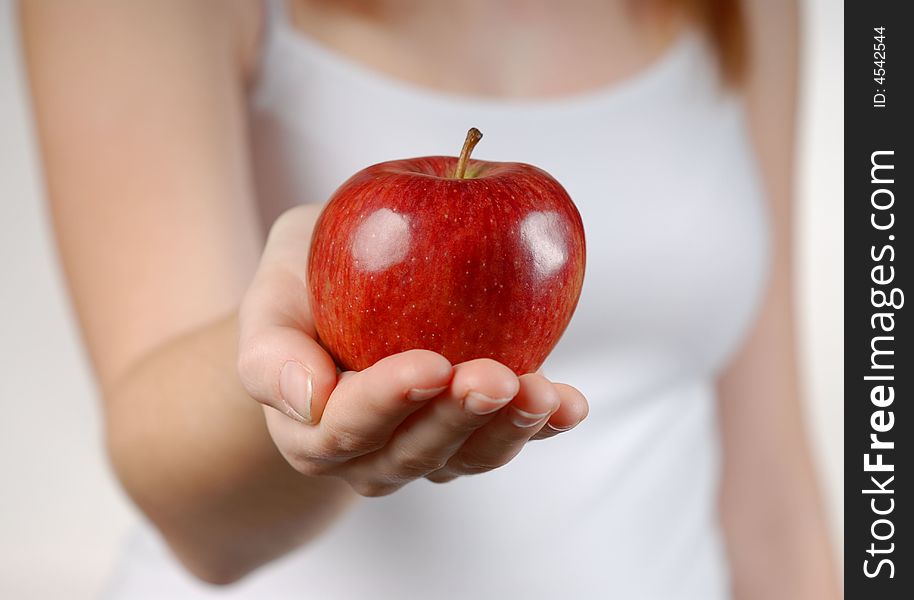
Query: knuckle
{"type": "Point", "coordinates": [417, 465]}
{"type": "Point", "coordinates": [313, 467]}
{"type": "Point", "coordinates": [453, 417]}
{"type": "Point", "coordinates": [323, 453]}
{"type": "Point", "coordinates": [374, 489]}
{"type": "Point", "coordinates": [337, 442]}
{"type": "Point", "coordinates": [309, 467]}
{"type": "Point", "coordinates": [251, 366]}
{"type": "Point", "coordinates": [475, 469]}
{"type": "Point", "coordinates": [474, 465]}
{"type": "Point", "coordinates": [499, 438]}
{"type": "Point", "coordinates": [290, 218]}
{"type": "Point", "coordinates": [440, 478]}
{"type": "Point", "coordinates": [309, 464]}
{"type": "Point", "coordinates": [461, 422]}
{"type": "Point", "coordinates": [247, 368]}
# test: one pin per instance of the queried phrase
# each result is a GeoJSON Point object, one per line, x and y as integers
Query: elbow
{"type": "Point", "coordinates": [203, 558]}
{"type": "Point", "coordinates": [209, 569]}
{"type": "Point", "coordinates": [169, 506]}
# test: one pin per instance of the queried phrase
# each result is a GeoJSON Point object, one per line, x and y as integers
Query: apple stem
{"type": "Point", "coordinates": [473, 137]}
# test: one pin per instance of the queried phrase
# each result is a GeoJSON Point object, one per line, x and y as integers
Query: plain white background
{"type": "Point", "coordinates": [62, 516]}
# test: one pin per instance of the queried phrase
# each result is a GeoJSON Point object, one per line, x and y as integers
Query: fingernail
{"type": "Point", "coordinates": [296, 389]}
{"type": "Point", "coordinates": [480, 404]}
{"type": "Point", "coordinates": [522, 418]}
{"type": "Point", "coordinates": [555, 429]}
{"type": "Point", "coordinates": [423, 394]}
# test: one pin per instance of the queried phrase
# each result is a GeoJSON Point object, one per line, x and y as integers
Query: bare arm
{"type": "Point", "coordinates": [140, 113]}
{"type": "Point", "coordinates": [773, 519]}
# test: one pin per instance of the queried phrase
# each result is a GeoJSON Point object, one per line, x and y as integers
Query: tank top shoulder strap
{"type": "Point", "coordinates": [274, 22]}
{"type": "Point", "coordinates": [277, 11]}
{"type": "Point", "coordinates": [275, 18]}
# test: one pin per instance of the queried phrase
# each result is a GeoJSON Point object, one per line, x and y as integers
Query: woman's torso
{"type": "Point", "coordinates": [662, 172]}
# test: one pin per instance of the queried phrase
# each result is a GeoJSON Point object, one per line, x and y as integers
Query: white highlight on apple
{"type": "Point", "coordinates": [381, 240]}
{"type": "Point", "coordinates": [541, 233]}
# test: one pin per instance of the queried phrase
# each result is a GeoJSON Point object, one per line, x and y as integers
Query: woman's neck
{"type": "Point", "coordinates": [517, 48]}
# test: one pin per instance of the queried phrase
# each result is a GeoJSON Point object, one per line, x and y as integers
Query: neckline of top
{"type": "Point", "coordinates": [686, 44]}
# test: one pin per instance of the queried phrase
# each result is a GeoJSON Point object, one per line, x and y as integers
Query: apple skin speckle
{"type": "Point", "coordinates": [405, 256]}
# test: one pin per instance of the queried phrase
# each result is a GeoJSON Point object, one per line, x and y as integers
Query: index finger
{"type": "Point", "coordinates": [366, 407]}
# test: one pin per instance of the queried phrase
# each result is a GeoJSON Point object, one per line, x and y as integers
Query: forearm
{"type": "Point", "coordinates": [772, 511]}
{"type": "Point", "coordinates": [192, 450]}
{"type": "Point", "coordinates": [771, 507]}
{"type": "Point", "coordinates": [779, 551]}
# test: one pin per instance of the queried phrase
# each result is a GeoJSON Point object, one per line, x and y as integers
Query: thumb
{"type": "Point", "coordinates": [283, 367]}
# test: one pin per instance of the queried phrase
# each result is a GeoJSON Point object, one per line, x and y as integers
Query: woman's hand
{"type": "Point", "coordinates": [410, 415]}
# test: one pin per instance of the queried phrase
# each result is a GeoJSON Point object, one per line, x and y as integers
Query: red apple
{"type": "Point", "coordinates": [467, 258]}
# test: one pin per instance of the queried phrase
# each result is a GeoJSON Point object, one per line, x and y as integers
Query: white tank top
{"type": "Point", "coordinates": [661, 169]}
